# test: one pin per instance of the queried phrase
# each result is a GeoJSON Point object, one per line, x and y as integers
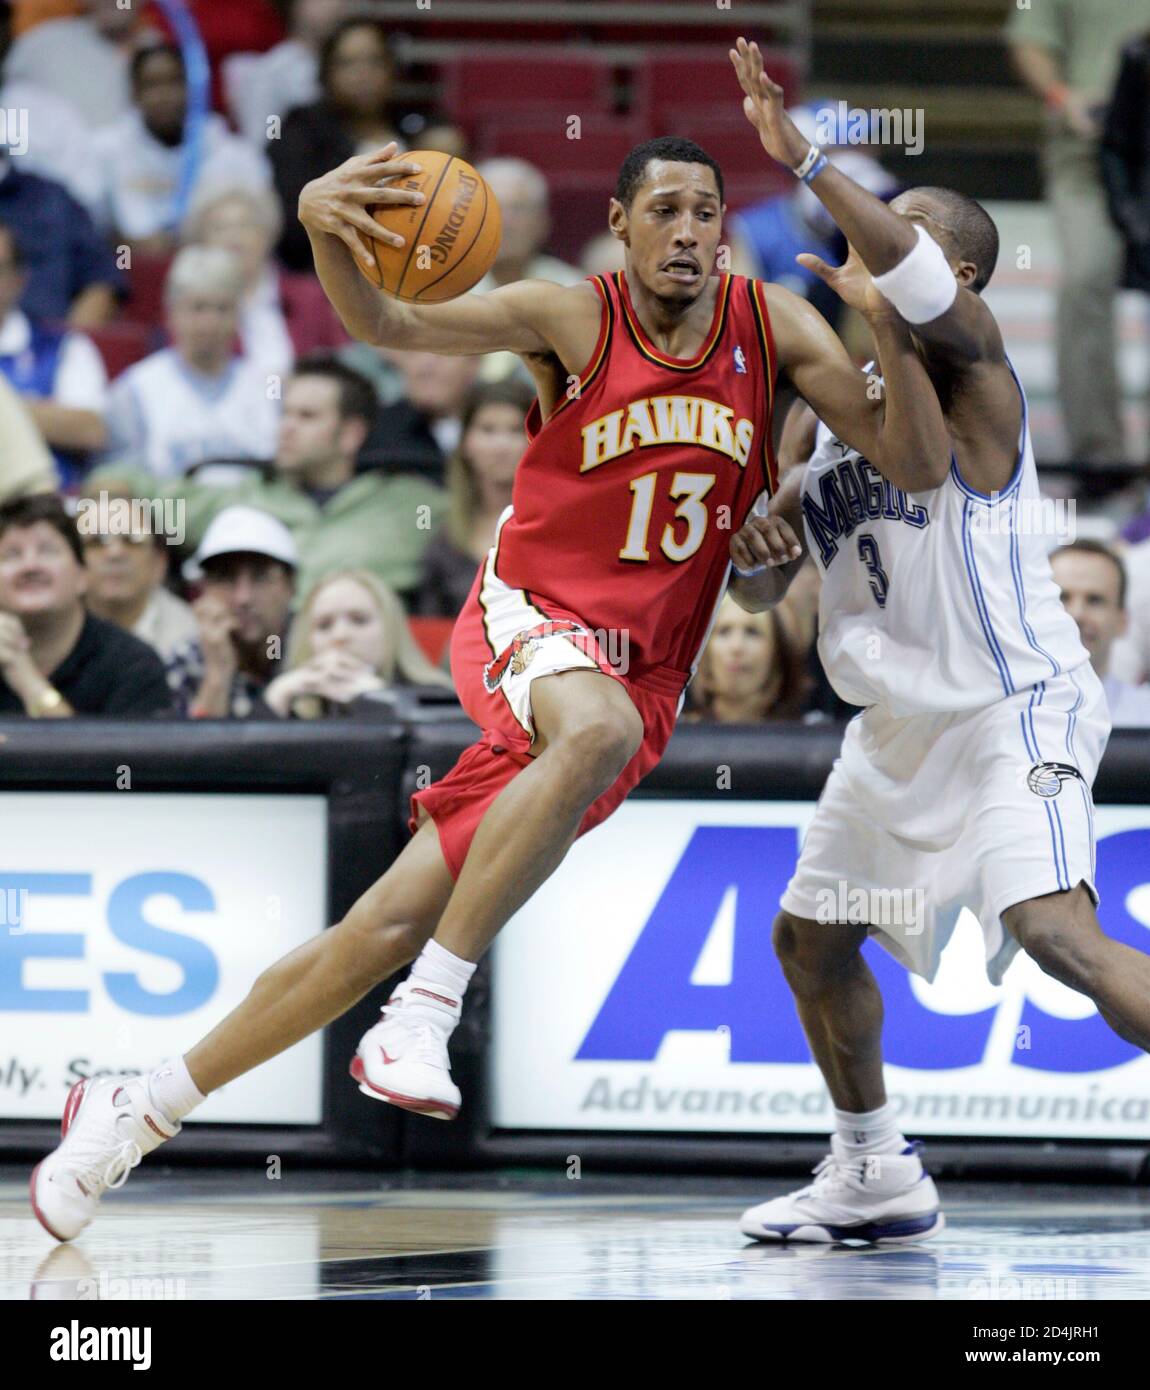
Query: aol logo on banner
{"type": "Point", "coordinates": [654, 995]}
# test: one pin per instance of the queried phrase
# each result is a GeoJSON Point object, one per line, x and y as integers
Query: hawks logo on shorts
{"type": "Point", "coordinates": [522, 650]}
{"type": "Point", "coordinates": [1046, 779]}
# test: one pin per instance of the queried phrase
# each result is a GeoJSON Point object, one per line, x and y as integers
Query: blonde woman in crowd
{"type": "Point", "coordinates": [349, 639]}
{"type": "Point", "coordinates": [480, 475]}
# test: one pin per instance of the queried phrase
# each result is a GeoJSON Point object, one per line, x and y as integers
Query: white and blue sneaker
{"type": "Point", "coordinates": [885, 1199]}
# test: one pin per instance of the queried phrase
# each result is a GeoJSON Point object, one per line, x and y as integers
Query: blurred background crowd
{"type": "Point", "coordinates": [214, 504]}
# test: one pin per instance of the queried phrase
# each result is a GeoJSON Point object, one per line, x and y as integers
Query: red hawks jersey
{"type": "Point", "coordinates": [629, 492]}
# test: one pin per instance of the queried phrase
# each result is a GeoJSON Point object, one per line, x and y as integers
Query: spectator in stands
{"type": "Point", "coordinates": [71, 274]}
{"type": "Point", "coordinates": [1130, 658]}
{"type": "Point", "coordinates": [752, 669]}
{"type": "Point", "coordinates": [248, 561]}
{"type": "Point", "coordinates": [195, 400]}
{"type": "Point", "coordinates": [260, 87]}
{"type": "Point", "coordinates": [480, 477]}
{"type": "Point", "coordinates": [281, 315]}
{"type": "Point", "coordinates": [1066, 52]}
{"type": "Point", "coordinates": [1126, 161]}
{"type": "Point", "coordinates": [226, 27]}
{"type": "Point", "coordinates": [417, 433]}
{"type": "Point", "coordinates": [82, 59]}
{"type": "Point", "coordinates": [56, 659]}
{"type": "Point", "coordinates": [141, 157]}
{"type": "Point", "coordinates": [1092, 578]}
{"type": "Point", "coordinates": [26, 466]}
{"type": "Point", "coordinates": [602, 255]}
{"type": "Point", "coordinates": [354, 115]}
{"type": "Point", "coordinates": [375, 520]}
{"type": "Point", "coordinates": [58, 373]}
{"type": "Point", "coordinates": [349, 640]}
{"type": "Point", "coordinates": [521, 191]}
{"type": "Point", "coordinates": [127, 573]}
{"type": "Point", "coordinates": [766, 237]}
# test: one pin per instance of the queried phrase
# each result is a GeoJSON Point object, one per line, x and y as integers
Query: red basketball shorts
{"type": "Point", "coordinates": [502, 642]}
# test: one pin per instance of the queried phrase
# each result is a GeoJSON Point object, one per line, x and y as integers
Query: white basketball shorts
{"type": "Point", "coordinates": [925, 815]}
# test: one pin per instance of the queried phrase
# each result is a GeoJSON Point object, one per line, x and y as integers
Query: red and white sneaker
{"type": "Point", "coordinates": [108, 1126]}
{"type": "Point", "coordinates": [404, 1060]}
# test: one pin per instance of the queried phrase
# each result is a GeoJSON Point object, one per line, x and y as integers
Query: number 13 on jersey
{"type": "Point", "coordinates": [691, 488]}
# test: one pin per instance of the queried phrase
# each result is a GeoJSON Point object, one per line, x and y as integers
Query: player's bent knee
{"type": "Point", "coordinates": [812, 954]}
{"type": "Point", "coordinates": [1063, 950]}
{"type": "Point", "coordinates": [599, 745]}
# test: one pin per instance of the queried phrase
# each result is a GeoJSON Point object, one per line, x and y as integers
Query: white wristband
{"type": "Point", "coordinates": [922, 286]}
{"type": "Point", "coordinates": [808, 163]}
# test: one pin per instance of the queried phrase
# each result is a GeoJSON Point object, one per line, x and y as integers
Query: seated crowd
{"type": "Point", "coordinates": [255, 517]}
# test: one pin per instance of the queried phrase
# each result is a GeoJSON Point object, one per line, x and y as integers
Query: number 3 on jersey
{"type": "Point", "coordinates": [868, 554]}
{"type": "Point", "coordinates": [692, 488]}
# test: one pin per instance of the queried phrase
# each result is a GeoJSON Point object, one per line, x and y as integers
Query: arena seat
{"type": "Point", "coordinates": [482, 83]}
{"type": "Point", "coordinates": [594, 158]}
{"type": "Point", "coordinates": [671, 79]}
{"type": "Point", "coordinates": [122, 344]}
{"type": "Point", "coordinates": [145, 303]}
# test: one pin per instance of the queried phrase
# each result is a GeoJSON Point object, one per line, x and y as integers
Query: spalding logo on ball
{"type": "Point", "coordinates": [450, 239]}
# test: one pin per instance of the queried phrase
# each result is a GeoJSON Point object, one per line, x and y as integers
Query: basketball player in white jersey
{"type": "Point", "coordinates": [968, 773]}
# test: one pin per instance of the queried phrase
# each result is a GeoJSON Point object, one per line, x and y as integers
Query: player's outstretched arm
{"type": "Point", "coordinates": [896, 423]}
{"type": "Point", "coordinates": [953, 318]}
{"type": "Point", "coordinates": [524, 317]}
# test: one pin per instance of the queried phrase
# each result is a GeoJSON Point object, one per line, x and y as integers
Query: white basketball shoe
{"type": "Point", "coordinates": [108, 1126]}
{"type": "Point", "coordinates": [886, 1199]}
{"type": "Point", "coordinates": [404, 1061]}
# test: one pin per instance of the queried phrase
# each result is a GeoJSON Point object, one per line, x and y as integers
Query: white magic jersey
{"type": "Point", "coordinates": [932, 601]}
{"type": "Point", "coordinates": [165, 417]}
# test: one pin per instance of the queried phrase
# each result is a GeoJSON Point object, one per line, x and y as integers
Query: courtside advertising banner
{"type": "Point", "coordinates": [132, 922]}
{"type": "Point", "coordinates": [638, 990]}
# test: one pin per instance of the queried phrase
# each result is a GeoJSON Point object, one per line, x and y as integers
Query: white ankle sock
{"type": "Point", "coordinates": [869, 1132]}
{"type": "Point", "coordinates": [439, 971]}
{"type": "Point", "coordinates": [173, 1091]}
{"type": "Point", "coordinates": [438, 966]}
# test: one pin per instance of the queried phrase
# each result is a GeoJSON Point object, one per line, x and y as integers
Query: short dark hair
{"type": "Point", "coordinates": [144, 55]}
{"type": "Point", "coordinates": [357, 396]}
{"type": "Point", "coordinates": [22, 512]}
{"type": "Point", "coordinates": [670, 147]}
{"type": "Point", "coordinates": [345, 26]}
{"type": "Point", "coordinates": [968, 229]}
{"type": "Point", "coordinates": [1088, 547]}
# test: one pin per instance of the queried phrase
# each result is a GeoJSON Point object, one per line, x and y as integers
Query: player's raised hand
{"type": "Point", "coordinates": [764, 108]}
{"type": "Point", "coordinates": [338, 202]}
{"type": "Point", "coordinates": [763, 542]}
{"type": "Point", "coordinates": [851, 281]}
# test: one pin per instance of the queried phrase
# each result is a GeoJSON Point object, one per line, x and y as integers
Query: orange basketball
{"type": "Point", "coordinates": [450, 240]}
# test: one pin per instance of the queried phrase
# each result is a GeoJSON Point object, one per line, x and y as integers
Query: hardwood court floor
{"type": "Point", "coordinates": [215, 1234]}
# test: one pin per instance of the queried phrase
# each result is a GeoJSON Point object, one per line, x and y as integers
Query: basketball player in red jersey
{"type": "Point", "coordinates": [650, 441]}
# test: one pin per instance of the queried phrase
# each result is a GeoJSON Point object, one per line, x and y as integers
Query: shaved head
{"type": "Point", "coordinates": [961, 226]}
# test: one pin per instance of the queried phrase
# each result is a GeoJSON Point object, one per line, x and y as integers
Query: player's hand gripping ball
{"type": "Point", "coordinates": [450, 239]}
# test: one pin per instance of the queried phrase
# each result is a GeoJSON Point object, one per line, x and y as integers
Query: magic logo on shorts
{"type": "Point", "coordinates": [1046, 779]}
